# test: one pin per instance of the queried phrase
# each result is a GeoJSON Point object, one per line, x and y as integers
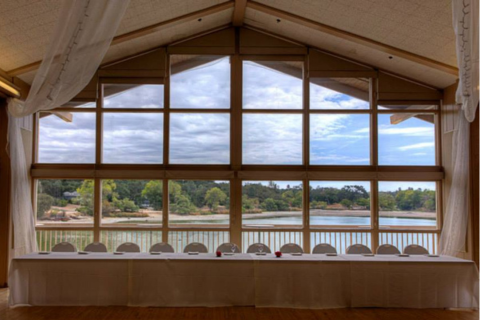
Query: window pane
{"type": "Point", "coordinates": [407, 204]}
{"type": "Point", "coordinates": [62, 140]}
{"type": "Point", "coordinates": [198, 203]}
{"type": "Point", "coordinates": [64, 202]}
{"type": "Point", "coordinates": [199, 138]}
{"type": "Point", "coordinates": [132, 202]}
{"type": "Point", "coordinates": [340, 139]}
{"type": "Point", "coordinates": [272, 85]}
{"type": "Point", "coordinates": [340, 203]}
{"type": "Point", "coordinates": [272, 203]}
{"type": "Point", "coordinates": [200, 82]}
{"type": "Point", "coordinates": [339, 93]}
{"type": "Point", "coordinates": [406, 139]}
{"type": "Point", "coordinates": [147, 96]}
{"type": "Point", "coordinates": [133, 138]}
{"type": "Point", "coordinates": [272, 139]}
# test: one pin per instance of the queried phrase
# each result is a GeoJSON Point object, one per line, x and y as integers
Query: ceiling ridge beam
{"type": "Point", "coordinates": [353, 38]}
{"type": "Point", "coordinates": [239, 13]}
{"type": "Point", "coordinates": [141, 32]}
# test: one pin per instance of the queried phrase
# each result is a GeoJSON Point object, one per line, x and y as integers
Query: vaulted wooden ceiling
{"type": "Point", "coordinates": [413, 38]}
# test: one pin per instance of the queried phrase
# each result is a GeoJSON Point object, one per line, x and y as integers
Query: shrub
{"type": "Point", "coordinates": [44, 203]}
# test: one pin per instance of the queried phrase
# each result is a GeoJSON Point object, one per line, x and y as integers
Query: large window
{"type": "Point", "coordinates": [64, 202]}
{"type": "Point", "coordinates": [132, 202]}
{"type": "Point", "coordinates": [272, 203]}
{"type": "Point", "coordinates": [249, 148]}
{"type": "Point", "coordinates": [200, 138]}
{"type": "Point", "coordinates": [199, 203]}
{"type": "Point", "coordinates": [406, 139]}
{"type": "Point", "coordinates": [340, 203]}
{"type": "Point", "coordinates": [66, 137]}
{"type": "Point", "coordinates": [408, 205]}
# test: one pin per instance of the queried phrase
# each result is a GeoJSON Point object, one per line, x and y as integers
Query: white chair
{"type": "Point", "coordinates": [195, 247]}
{"type": "Point", "coordinates": [128, 247]}
{"type": "Point", "coordinates": [64, 247]}
{"type": "Point", "coordinates": [95, 247]}
{"type": "Point", "coordinates": [323, 248]}
{"type": "Point", "coordinates": [291, 248]}
{"type": "Point", "coordinates": [415, 249]}
{"type": "Point", "coordinates": [387, 249]}
{"type": "Point", "coordinates": [161, 247]}
{"type": "Point", "coordinates": [358, 249]}
{"type": "Point", "coordinates": [227, 247]}
{"type": "Point", "coordinates": [254, 248]}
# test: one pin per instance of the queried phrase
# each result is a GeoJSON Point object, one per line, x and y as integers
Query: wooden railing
{"type": "Point", "coordinates": [46, 239]}
{"type": "Point", "coordinates": [273, 239]}
{"type": "Point", "coordinates": [341, 240]}
{"type": "Point", "coordinates": [428, 240]}
{"type": "Point", "coordinates": [144, 238]}
{"type": "Point", "coordinates": [211, 239]}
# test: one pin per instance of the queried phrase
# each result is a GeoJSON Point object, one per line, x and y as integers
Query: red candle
{"type": "Point", "coordinates": [278, 254]}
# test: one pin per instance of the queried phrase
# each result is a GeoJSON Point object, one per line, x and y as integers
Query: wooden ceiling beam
{"type": "Point", "coordinates": [239, 13]}
{"type": "Point", "coordinates": [353, 38]}
{"type": "Point", "coordinates": [141, 32]}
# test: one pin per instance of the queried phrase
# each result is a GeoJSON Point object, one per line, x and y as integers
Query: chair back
{"type": "Point", "coordinates": [254, 248]}
{"type": "Point", "coordinates": [387, 249]}
{"type": "Point", "coordinates": [415, 249]}
{"type": "Point", "coordinates": [95, 247]}
{"type": "Point", "coordinates": [227, 247]}
{"type": "Point", "coordinates": [358, 249]}
{"type": "Point", "coordinates": [128, 247]}
{"type": "Point", "coordinates": [323, 248]}
{"type": "Point", "coordinates": [64, 247]}
{"type": "Point", "coordinates": [161, 247]}
{"type": "Point", "coordinates": [195, 247]}
{"type": "Point", "coordinates": [291, 248]}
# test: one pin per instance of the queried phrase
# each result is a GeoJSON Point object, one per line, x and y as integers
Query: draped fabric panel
{"type": "Point", "coordinates": [465, 24]}
{"type": "Point", "coordinates": [79, 42]}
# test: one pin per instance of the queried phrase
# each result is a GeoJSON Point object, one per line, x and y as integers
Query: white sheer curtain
{"type": "Point", "coordinates": [465, 23]}
{"type": "Point", "coordinates": [79, 42]}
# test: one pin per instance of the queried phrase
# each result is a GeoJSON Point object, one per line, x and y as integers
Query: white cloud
{"type": "Point", "coordinates": [406, 131]}
{"type": "Point", "coordinates": [417, 146]}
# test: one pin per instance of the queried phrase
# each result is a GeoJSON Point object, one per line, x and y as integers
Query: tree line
{"type": "Point", "coordinates": [121, 197]}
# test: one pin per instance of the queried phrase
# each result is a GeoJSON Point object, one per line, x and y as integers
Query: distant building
{"type": "Point", "coordinates": [70, 195]}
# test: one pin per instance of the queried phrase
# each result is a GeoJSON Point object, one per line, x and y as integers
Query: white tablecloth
{"type": "Point", "coordinates": [307, 281]}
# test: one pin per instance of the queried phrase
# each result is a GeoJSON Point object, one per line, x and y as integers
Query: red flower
{"type": "Point", "coordinates": [218, 253]}
{"type": "Point", "coordinates": [278, 254]}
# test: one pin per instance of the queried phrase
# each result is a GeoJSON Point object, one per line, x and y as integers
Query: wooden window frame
{"type": "Point", "coordinates": [236, 172]}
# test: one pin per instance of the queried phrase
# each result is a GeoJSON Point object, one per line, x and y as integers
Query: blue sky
{"type": "Point", "coordinates": [336, 139]}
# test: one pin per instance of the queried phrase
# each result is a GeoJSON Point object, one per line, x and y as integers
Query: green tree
{"type": "Point", "coordinates": [44, 204]}
{"type": "Point", "coordinates": [386, 201]}
{"type": "Point", "coordinates": [269, 205]}
{"type": "Point", "coordinates": [346, 203]}
{"type": "Point", "coordinates": [125, 205]}
{"type": "Point", "coordinates": [364, 202]}
{"type": "Point", "coordinates": [214, 197]}
{"type": "Point", "coordinates": [153, 191]}
{"type": "Point", "coordinates": [182, 205]}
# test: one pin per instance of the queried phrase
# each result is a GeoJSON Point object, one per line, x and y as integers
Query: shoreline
{"type": "Point", "coordinates": [157, 217]}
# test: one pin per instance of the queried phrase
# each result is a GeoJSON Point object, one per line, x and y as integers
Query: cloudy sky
{"type": "Point", "coordinates": [204, 138]}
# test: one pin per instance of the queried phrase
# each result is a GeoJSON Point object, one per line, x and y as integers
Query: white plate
{"type": "Point", "coordinates": [368, 255]}
{"type": "Point", "coordinates": [119, 253]}
{"type": "Point", "coordinates": [44, 252]}
{"type": "Point", "coordinates": [193, 253]}
{"type": "Point", "coordinates": [155, 253]}
{"type": "Point", "coordinates": [228, 253]}
{"type": "Point", "coordinates": [261, 253]}
{"type": "Point", "coordinates": [82, 252]}
{"type": "Point", "coordinates": [403, 255]}
{"type": "Point", "coordinates": [433, 255]}
{"type": "Point", "coordinates": [331, 254]}
{"type": "Point", "coordinates": [296, 253]}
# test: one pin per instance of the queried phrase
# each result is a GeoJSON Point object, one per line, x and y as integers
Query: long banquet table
{"type": "Point", "coordinates": [307, 281]}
